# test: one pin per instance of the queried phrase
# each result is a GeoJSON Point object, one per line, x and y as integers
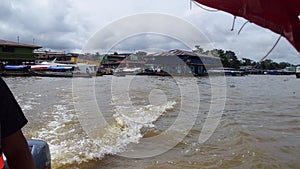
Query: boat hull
{"type": "Point", "coordinates": [51, 73]}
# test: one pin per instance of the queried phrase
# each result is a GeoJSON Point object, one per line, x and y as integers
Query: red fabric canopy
{"type": "Point", "coordinates": [280, 16]}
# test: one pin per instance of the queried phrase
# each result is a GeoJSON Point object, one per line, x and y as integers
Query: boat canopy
{"type": "Point", "coordinates": [280, 16]}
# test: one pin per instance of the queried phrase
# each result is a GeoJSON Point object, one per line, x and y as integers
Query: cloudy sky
{"type": "Point", "coordinates": [69, 25]}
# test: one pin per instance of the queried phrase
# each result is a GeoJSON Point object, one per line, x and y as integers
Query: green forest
{"type": "Point", "coordinates": [230, 60]}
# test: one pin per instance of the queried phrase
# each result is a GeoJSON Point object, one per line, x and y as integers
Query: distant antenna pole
{"type": "Point", "coordinates": [33, 41]}
{"type": "Point", "coordinates": [18, 39]}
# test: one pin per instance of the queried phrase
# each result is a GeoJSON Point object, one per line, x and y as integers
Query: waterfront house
{"type": "Point", "coordinates": [109, 62]}
{"type": "Point", "coordinates": [49, 55]}
{"type": "Point", "coordinates": [180, 62]}
{"type": "Point", "coordinates": [14, 53]}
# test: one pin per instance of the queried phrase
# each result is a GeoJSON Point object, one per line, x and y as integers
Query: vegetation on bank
{"type": "Point", "coordinates": [230, 60]}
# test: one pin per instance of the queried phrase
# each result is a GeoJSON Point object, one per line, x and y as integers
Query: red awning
{"type": "Point", "coordinates": [280, 16]}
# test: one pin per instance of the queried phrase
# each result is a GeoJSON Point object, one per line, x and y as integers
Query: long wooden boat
{"type": "Point", "coordinates": [15, 70]}
{"type": "Point", "coordinates": [16, 67]}
{"type": "Point", "coordinates": [51, 73]}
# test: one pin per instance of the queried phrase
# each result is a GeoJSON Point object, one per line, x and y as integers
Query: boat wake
{"type": "Point", "coordinates": [70, 145]}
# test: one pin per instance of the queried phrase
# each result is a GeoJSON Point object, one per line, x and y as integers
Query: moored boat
{"type": "Point", "coordinates": [51, 73]}
{"type": "Point", "coordinates": [16, 67]}
{"type": "Point", "coordinates": [39, 67]}
{"type": "Point", "coordinates": [52, 70]}
{"type": "Point", "coordinates": [127, 71]}
{"type": "Point", "coordinates": [84, 70]}
{"type": "Point", "coordinates": [60, 68]}
{"type": "Point", "coordinates": [226, 72]}
{"type": "Point", "coordinates": [298, 71]}
{"type": "Point", "coordinates": [15, 70]}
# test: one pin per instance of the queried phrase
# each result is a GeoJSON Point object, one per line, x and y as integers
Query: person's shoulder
{"type": "Point", "coordinates": [3, 85]}
{"type": "Point", "coordinates": [2, 82]}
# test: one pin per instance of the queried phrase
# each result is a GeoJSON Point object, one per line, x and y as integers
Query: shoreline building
{"type": "Point", "coordinates": [180, 62]}
{"type": "Point", "coordinates": [14, 53]}
{"type": "Point", "coordinates": [109, 62]}
{"type": "Point", "coordinates": [49, 55]}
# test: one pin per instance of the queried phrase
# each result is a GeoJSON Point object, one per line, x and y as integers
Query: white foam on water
{"type": "Point", "coordinates": [144, 116]}
{"type": "Point", "coordinates": [27, 104]}
{"type": "Point", "coordinates": [70, 145]}
{"type": "Point", "coordinates": [26, 107]}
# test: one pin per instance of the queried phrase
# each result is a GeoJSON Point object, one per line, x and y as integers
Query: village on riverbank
{"type": "Point", "coordinates": [19, 59]}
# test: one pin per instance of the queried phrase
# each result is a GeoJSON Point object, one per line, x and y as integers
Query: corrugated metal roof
{"type": "Point", "coordinates": [175, 52]}
{"type": "Point", "coordinates": [9, 43]}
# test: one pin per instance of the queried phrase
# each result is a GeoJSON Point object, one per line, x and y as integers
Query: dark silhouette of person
{"type": "Point", "coordinates": [13, 143]}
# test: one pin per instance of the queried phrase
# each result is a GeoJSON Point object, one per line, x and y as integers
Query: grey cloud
{"type": "Point", "coordinates": [5, 10]}
{"type": "Point", "coordinates": [68, 25]}
{"type": "Point", "coordinates": [49, 22]}
{"type": "Point", "coordinates": [148, 42]}
{"type": "Point", "coordinates": [162, 24]}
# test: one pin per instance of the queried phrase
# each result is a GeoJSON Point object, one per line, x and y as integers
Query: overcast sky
{"type": "Point", "coordinates": [68, 25]}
